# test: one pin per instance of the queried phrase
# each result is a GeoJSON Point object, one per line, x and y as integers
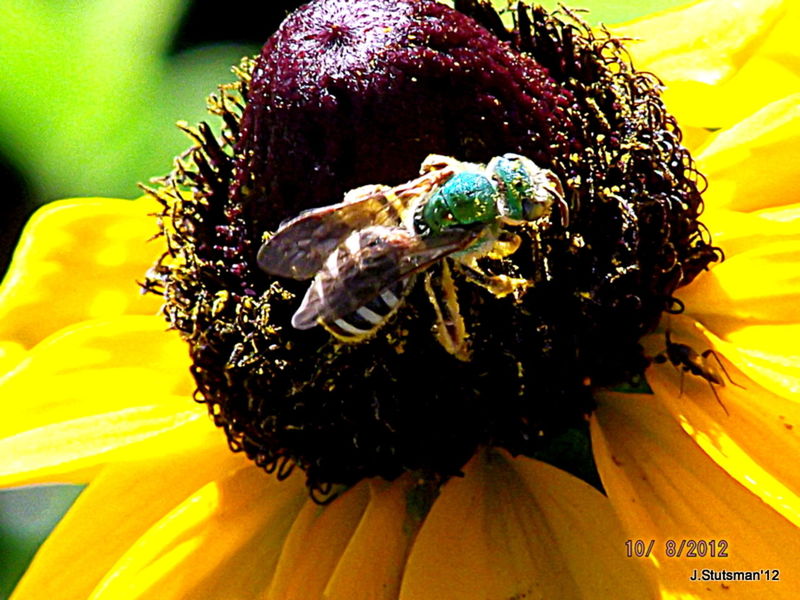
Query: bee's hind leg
{"type": "Point", "coordinates": [451, 331]}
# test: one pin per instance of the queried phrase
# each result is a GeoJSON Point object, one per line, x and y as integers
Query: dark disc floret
{"type": "Point", "coordinates": [348, 93]}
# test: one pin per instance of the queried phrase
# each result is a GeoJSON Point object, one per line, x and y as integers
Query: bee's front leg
{"type": "Point", "coordinates": [505, 245]}
{"type": "Point", "coordinates": [499, 285]}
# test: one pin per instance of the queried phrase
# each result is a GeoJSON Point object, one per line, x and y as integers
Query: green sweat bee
{"type": "Point", "coordinates": [363, 253]}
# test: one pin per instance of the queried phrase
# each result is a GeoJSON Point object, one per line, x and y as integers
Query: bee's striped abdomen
{"type": "Point", "coordinates": [367, 319]}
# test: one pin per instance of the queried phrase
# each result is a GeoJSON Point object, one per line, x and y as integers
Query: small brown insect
{"type": "Point", "coordinates": [687, 360]}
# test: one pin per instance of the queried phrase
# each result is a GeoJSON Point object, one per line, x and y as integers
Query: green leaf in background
{"type": "Point", "coordinates": [27, 515]}
{"type": "Point", "coordinates": [600, 11]}
{"type": "Point", "coordinates": [613, 11]}
{"type": "Point", "coordinates": [90, 96]}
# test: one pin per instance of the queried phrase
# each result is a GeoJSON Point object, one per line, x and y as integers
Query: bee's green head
{"type": "Point", "coordinates": [514, 174]}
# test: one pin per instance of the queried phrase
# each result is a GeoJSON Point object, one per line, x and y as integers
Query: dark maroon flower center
{"type": "Point", "coordinates": [355, 92]}
{"type": "Point", "coordinates": [347, 93]}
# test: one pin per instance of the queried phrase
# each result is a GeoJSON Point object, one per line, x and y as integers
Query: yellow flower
{"type": "Point", "coordinates": [96, 391]}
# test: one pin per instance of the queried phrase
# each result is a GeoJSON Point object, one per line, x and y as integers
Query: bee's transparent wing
{"type": "Point", "coordinates": [300, 245]}
{"type": "Point", "coordinates": [367, 263]}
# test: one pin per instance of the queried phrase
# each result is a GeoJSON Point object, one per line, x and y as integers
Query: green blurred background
{"type": "Point", "coordinates": [90, 91]}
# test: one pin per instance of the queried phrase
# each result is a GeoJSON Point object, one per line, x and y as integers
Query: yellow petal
{"type": "Point", "coordinates": [518, 528]}
{"type": "Point", "coordinates": [744, 428]}
{"type": "Point", "coordinates": [719, 62]}
{"type": "Point", "coordinates": [707, 41]}
{"type": "Point", "coordinates": [753, 165]}
{"type": "Point", "coordinates": [693, 137]}
{"type": "Point", "coordinates": [315, 544]}
{"type": "Point", "coordinates": [738, 232]}
{"type": "Point", "coordinates": [11, 354]}
{"type": "Point", "coordinates": [756, 286]}
{"type": "Point", "coordinates": [96, 392]}
{"type": "Point", "coordinates": [665, 488]}
{"type": "Point", "coordinates": [761, 81]}
{"type": "Point", "coordinates": [96, 367]}
{"type": "Point", "coordinates": [78, 260]}
{"type": "Point", "coordinates": [749, 303]}
{"type": "Point", "coordinates": [769, 75]}
{"type": "Point", "coordinates": [382, 540]}
{"type": "Point", "coordinates": [111, 514]}
{"type": "Point", "coordinates": [222, 542]}
{"type": "Point", "coordinates": [768, 354]}
{"type": "Point", "coordinates": [72, 451]}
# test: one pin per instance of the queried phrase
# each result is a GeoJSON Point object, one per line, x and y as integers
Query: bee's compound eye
{"type": "Point", "coordinates": [534, 208]}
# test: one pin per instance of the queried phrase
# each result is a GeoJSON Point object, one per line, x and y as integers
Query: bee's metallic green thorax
{"type": "Point", "coordinates": [466, 199]}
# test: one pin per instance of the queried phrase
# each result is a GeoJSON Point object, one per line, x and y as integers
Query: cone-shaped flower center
{"type": "Point", "coordinates": [348, 93]}
{"type": "Point", "coordinates": [352, 93]}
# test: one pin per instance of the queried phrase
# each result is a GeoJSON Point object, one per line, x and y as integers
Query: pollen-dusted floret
{"type": "Point", "coordinates": [354, 92]}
